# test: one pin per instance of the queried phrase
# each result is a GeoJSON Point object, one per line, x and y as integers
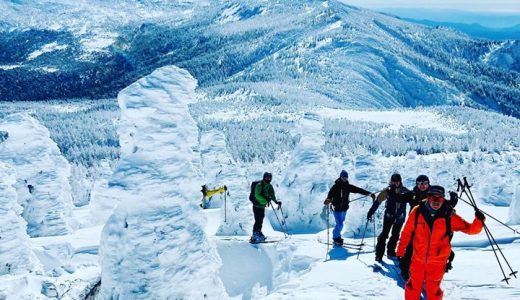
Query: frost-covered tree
{"type": "Point", "coordinates": [42, 176]}
{"type": "Point", "coordinates": [16, 255]}
{"type": "Point", "coordinates": [154, 246]}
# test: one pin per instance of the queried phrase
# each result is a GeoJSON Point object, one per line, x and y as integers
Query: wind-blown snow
{"type": "Point", "coordinates": [154, 246]}
{"type": "Point", "coordinates": [42, 182]}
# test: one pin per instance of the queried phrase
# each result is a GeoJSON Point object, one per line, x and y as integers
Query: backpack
{"type": "Point", "coordinates": [252, 197]}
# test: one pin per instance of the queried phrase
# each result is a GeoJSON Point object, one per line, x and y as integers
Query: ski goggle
{"type": "Point", "coordinates": [267, 179]}
{"type": "Point", "coordinates": [422, 182]}
{"type": "Point", "coordinates": [436, 198]}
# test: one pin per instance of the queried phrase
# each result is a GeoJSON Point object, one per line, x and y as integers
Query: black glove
{"type": "Point", "coordinates": [373, 196]}
{"type": "Point", "coordinates": [369, 216]}
{"type": "Point", "coordinates": [225, 188]}
{"type": "Point", "coordinates": [391, 190]}
{"type": "Point", "coordinates": [454, 198]}
{"type": "Point", "coordinates": [448, 267]}
{"type": "Point", "coordinates": [479, 215]}
{"type": "Point", "coordinates": [279, 203]}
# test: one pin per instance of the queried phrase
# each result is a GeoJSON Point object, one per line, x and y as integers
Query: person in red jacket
{"type": "Point", "coordinates": [428, 227]}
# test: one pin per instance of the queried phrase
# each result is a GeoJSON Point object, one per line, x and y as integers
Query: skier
{"type": "Point", "coordinates": [263, 194]}
{"type": "Point", "coordinates": [207, 194]}
{"type": "Point", "coordinates": [428, 229]}
{"type": "Point", "coordinates": [395, 214]}
{"type": "Point", "coordinates": [415, 197]}
{"type": "Point", "coordinates": [339, 198]}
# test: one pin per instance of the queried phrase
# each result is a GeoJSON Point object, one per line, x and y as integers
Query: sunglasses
{"type": "Point", "coordinates": [436, 198]}
{"type": "Point", "coordinates": [422, 183]}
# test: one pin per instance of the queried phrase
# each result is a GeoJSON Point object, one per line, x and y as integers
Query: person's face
{"type": "Point", "coordinates": [344, 178]}
{"type": "Point", "coordinates": [435, 201]}
{"type": "Point", "coordinates": [268, 179]}
{"type": "Point", "coordinates": [395, 183]}
{"type": "Point", "coordinates": [423, 185]}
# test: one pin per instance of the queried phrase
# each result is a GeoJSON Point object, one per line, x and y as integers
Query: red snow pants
{"type": "Point", "coordinates": [428, 274]}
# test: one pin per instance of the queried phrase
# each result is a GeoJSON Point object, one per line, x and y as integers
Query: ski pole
{"type": "Point", "coordinates": [328, 229]}
{"type": "Point", "coordinates": [490, 236]}
{"type": "Point", "coordinates": [283, 219]}
{"type": "Point", "coordinates": [466, 189]}
{"type": "Point", "coordinates": [509, 227]}
{"type": "Point", "coordinates": [374, 235]}
{"type": "Point", "coordinates": [284, 233]}
{"type": "Point", "coordinates": [363, 238]}
{"type": "Point", "coordinates": [225, 207]}
{"type": "Point", "coordinates": [359, 198]}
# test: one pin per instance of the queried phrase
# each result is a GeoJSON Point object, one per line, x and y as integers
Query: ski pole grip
{"type": "Point", "coordinates": [459, 184]}
{"type": "Point", "coordinates": [466, 181]}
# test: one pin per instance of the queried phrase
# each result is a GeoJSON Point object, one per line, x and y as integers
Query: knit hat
{"type": "Point", "coordinates": [343, 173]}
{"type": "Point", "coordinates": [395, 177]}
{"type": "Point", "coordinates": [267, 175]}
{"type": "Point", "coordinates": [422, 178]}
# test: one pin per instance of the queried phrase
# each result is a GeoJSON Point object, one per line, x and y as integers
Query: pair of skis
{"type": "Point", "coordinates": [354, 246]}
{"type": "Point", "coordinates": [249, 240]}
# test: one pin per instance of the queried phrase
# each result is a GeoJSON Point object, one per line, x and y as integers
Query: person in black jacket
{"type": "Point", "coordinates": [395, 214]}
{"type": "Point", "coordinates": [339, 198]}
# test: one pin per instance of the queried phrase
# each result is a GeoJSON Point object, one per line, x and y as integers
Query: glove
{"type": "Point", "coordinates": [400, 259]}
{"type": "Point", "coordinates": [327, 201]}
{"type": "Point", "coordinates": [448, 267]}
{"type": "Point", "coordinates": [373, 196]}
{"type": "Point", "coordinates": [391, 190]}
{"type": "Point", "coordinates": [279, 203]}
{"type": "Point", "coordinates": [369, 217]}
{"type": "Point", "coordinates": [453, 196]}
{"type": "Point", "coordinates": [225, 188]}
{"type": "Point", "coordinates": [479, 215]}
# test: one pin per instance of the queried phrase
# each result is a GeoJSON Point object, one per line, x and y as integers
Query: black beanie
{"type": "Point", "coordinates": [395, 177]}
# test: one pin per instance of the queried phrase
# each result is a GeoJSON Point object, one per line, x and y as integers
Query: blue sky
{"type": "Point", "coordinates": [481, 6]}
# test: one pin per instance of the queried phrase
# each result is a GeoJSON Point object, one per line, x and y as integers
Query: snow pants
{"type": "Point", "coordinates": [339, 217]}
{"type": "Point", "coordinates": [429, 275]}
{"type": "Point", "coordinates": [388, 224]}
{"type": "Point", "coordinates": [259, 213]}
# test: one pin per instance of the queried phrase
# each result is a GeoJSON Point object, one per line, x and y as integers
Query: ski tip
{"type": "Point", "coordinates": [514, 273]}
{"type": "Point", "coordinates": [506, 279]}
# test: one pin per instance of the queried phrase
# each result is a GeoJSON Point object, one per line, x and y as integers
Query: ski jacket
{"type": "Point", "coordinates": [431, 243]}
{"type": "Point", "coordinates": [210, 193]}
{"type": "Point", "coordinates": [264, 193]}
{"type": "Point", "coordinates": [339, 194]}
{"type": "Point", "coordinates": [395, 208]}
{"type": "Point", "coordinates": [415, 197]}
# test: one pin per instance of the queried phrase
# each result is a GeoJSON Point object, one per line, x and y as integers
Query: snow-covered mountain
{"type": "Point", "coordinates": [339, 55]}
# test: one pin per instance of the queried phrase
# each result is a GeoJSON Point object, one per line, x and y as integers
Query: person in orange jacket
{"type": "Point", "coordinates": [428, 227]}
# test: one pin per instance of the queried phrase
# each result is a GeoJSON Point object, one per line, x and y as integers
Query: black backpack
{"type": "Point", "coordinates": [252, 197]}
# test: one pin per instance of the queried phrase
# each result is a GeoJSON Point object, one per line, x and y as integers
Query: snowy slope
{"type": "Point", "coordinates": [153, 246]}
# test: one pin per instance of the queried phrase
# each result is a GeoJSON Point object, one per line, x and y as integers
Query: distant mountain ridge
{"type": "Point", "coordinates": [476, 30]}
{"type": "Point", "coordinates": [284, 53]}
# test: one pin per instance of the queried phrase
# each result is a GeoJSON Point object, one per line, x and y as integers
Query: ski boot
{"type": "Point", "coordinates": [338, 242]}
